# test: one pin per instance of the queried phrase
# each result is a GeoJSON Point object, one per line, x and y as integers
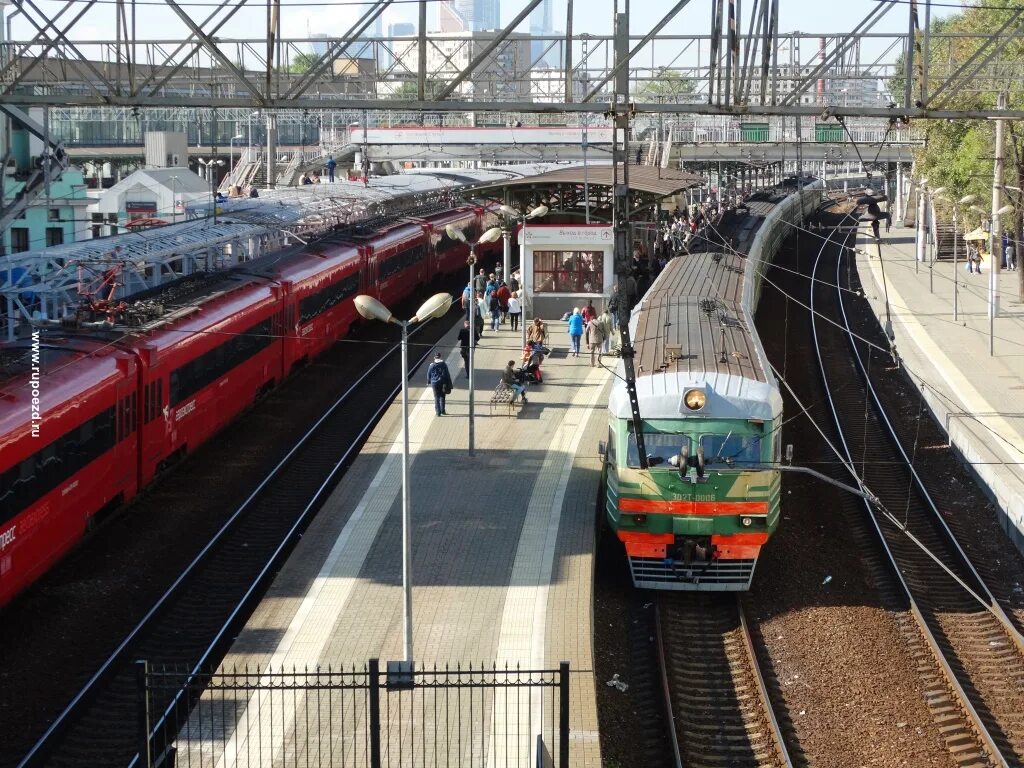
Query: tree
{"type": "Point", "coordinates": [409, 90]}
{"type": "Point", "coordinates": [303, 63]}
{"type": "Point", "coordinates": [666, 85]}
{"type": "Point", "coordinates": [958, 154]}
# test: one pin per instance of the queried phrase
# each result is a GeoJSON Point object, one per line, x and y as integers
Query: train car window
{"type": "Point", "coordinates": [610, 449]}
{"type": "Point", "coordinates": [661, 446]}
{"type": "Point", "coordinates": [323, 300]}
{"type": "Point", "coordinates": [34, 477]}
{"type": "Point", "coordinates": [731, 449]}
{"type": "Point", "coordinates": [402, 260]}
{"type": "Point", "coordinates": [207, 368]}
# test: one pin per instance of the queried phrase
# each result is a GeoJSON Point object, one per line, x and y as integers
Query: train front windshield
{"type": "Point", "coordinates": [660, 447]}
{"type": "Point", "coordinates": [731, 449]}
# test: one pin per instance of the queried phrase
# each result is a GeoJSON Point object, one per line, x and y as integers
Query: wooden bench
{"type": "Point", "coordinates": [502, 395]}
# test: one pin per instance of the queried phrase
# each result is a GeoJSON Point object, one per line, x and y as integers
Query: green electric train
{"type": "Point", "coordinates": [697, 516]}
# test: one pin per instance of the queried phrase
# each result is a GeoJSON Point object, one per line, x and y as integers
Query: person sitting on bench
{"type": "Point", "coordinates": [510, 380]}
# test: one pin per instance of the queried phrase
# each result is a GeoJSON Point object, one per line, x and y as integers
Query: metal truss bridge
{"type": "Point", "coordinates": [745, 67]}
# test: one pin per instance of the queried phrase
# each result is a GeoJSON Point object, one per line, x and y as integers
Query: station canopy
{"type": "Point", "coordinates": [563, 189]}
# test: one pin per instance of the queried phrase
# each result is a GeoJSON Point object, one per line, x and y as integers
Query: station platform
{"type": "Point", "coordinates": [503, 546]}
{"type": "Point", "coordinates": [975, 395]}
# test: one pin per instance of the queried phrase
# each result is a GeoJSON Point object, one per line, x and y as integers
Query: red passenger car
{"type": "Point", "coordinates": [119, 408]}
{"type": "Point", "coordinates": [205, 363]}
{"type": "Point", "coordinates": [68, 448]}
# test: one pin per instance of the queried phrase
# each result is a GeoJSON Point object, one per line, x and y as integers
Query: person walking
{"type": "Point", "coordinates": [440, 380]}
{"type": "Point", "coordinates": [480, 282]}
{"type": "Point", "coordinates": [596, 338]}
{"type": "Point", "coordinates": [503, 294]}
{"type": "Point", "coordinates": [588, 312]}
{"type": "Point", "coordinates": [464, 346]}
{"type": "Point", "coordinates": [515, 311]}
{"type": "Point", "coordinates": [508, 377]}
{"type": "Point", "coordinates": [495, 307]}
{"type": "Point", "coordinates": [575, 331]}
{"type": "Point", "coordinates": [485, 309]}
{"type": "Point", "coordinates": [331, 165]}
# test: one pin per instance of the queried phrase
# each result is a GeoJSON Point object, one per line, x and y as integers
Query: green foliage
{"type": "Point", "coordinates": [303, 63]}
{"type": "Point", "coordinates": [958, 154]}
{"type": "Point", "coordinates": [409, 90]}
{"type": "Point", "coordinates": [665, 86]}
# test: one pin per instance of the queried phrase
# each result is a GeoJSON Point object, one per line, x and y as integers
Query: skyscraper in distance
{"type": "Point", "coordinates": [542, 22]}
{"type": "Point", "coordinates": [468, 15]}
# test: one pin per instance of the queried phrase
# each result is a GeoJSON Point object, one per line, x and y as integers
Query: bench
{"type": "Point", "coordinates": [502, 395]}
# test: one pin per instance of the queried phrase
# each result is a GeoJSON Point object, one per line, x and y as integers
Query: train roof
{"type": "Point", "coordinates": [69, 367]}
{"type": "Point", "coordinates": [692, 330]}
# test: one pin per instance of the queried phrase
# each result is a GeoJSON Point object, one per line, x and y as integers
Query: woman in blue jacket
{"type": "Point", "coordinates": [575, 331]}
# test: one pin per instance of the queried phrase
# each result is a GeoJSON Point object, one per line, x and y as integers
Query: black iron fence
{"type": "Point", "coordinates": [361, 717]}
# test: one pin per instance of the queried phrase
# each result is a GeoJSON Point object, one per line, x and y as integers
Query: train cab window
{"type": "Point", "coordinates": [660, 446]}
{"type": "Point", "coordinates": [731, 449]}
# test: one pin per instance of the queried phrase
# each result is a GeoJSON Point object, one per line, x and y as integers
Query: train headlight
{"type": "Point", "coordinates": [639, 519]}
{"type": "Point", "coordinates": [747, 521]}
{"type": "Point", "coordinates": [694, 399]}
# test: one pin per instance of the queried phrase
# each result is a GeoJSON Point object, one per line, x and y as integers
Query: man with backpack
{"type": "Point", "coordinates": [440, 380]}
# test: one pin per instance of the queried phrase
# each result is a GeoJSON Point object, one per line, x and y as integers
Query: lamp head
{"type": "Point", "coordinates": [967, 199]}
{"type": "Point", "coordinates": [536, 213]}
{"type": "Point", "coordinates": [454, 232]}
{"type": "Point", "coordinates": [436, 306]}
{"type": "Point", "coordinates": [1004, 210]}
{"type": "Point", "coordinates": [508, 210]}
{"type": "Point", "coordinates": [371, 309]}
{"type": "Point", "coordinates": [239, 137]}
{"type": "Point", "coordinates": [492, 235]}
{"type": "Point", "coordinates": [976, 209]}
{"type": "Point", "coordinates": [938, 191]}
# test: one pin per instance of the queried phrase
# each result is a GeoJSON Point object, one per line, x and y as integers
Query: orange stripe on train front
{"type": "Point", "coordinates": [659, 507]}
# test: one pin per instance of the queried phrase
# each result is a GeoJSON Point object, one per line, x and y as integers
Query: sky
{"type": "Point", "coordinates": [334, 17]}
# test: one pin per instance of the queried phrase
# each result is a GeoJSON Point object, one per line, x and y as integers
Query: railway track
{"type": "Point", "coordinates": [715, 693]}
{"type": "Point", "coordinates": [193, 622]}
{"type": "Point", "coordinates": [972, 656]}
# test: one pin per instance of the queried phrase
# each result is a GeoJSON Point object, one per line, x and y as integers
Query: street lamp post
{"type": "Point", "coordinates": [535, 213]}
{"type": "Point", "coordinates": [490, 236]}
{"type": "Point", "coordinates": [933, 236]}
{"type": "Point", "coordinates": [966, 200]}
{"type": "Point", "coordinates": [371, 309]}
{"type": "Point", "coordinates": [231, 152]}
{"type": "Point", "coordinates": [211, 167]}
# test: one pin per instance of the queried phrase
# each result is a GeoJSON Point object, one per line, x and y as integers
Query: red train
{"type": "Point", "coordinates": [87, 420]}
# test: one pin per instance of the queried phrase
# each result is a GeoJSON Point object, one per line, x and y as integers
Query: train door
{"type": "Point", "coordinates": [126, 430]}
{"type": "Point", "coordinates": [370, 260]}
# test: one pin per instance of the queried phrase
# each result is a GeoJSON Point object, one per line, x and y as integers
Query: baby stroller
{"type": "Point", "coordinates": [530, 372]}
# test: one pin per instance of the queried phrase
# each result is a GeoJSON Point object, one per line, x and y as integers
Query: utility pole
{"type": "Point", "coordinates": [621, 111]}
{"type": "Point", "coordinates": [995, 247]}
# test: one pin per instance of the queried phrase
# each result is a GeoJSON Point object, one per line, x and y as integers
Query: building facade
{"type": "Point", "coordinates": [49, 220]}
{"type": "Point", "coordinates": [468, 15]}
{"type": "Point", "coordinates": [503, 74]}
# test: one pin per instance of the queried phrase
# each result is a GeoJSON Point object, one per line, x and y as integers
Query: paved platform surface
{"type": "Point", "coordinates": [977, 396]}
{"type": "Point", "coordinates": [503, 545]}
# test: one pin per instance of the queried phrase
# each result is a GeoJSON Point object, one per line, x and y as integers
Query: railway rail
{"type": "Point", "coordinates": [972, 651]}
{"type": "Point", "coordinates": [195, 619]}
{"type": "Point", "coordinates": [715, 692]}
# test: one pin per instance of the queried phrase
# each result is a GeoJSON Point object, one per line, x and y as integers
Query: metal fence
{"type": "Point", "coordinates": [360, 717]}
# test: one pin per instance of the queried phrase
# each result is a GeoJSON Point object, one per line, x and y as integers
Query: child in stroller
{"type": "Point", "coordinates": [533, 356]}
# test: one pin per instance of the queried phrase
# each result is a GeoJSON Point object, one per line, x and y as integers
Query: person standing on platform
{"type": "Point", "coordinates": [440, 380]}
{"type": "Point", "coordinates": [485, 311]}
{"type": "Point", "coordinates": [515, 311]}
{"type": "Point", "coordinates": [513, 283]}
{"type": "Point", "coordinates": [480, 282]}
{"type": "Point", "coordinates": [595, 341]}
{"type": "Point", "coordinates": [331, 165]}
{"type": "Point", "coordinates": [464, 346]}
{"type": "Point", "coordinates": [588, 312]}
{"type": "Point", "coordinates": [575, 331]}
